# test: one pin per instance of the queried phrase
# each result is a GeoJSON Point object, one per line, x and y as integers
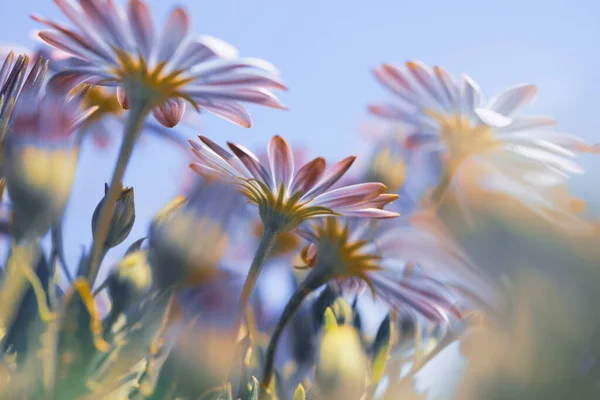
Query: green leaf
{"type": "Point", "coordinates": [381, 350]}
{"type": "Point", "coordinates": [255, 392]}
{"type": "Point", "coordinates": [300, 393]}
{"type": "Point", "coordinates": [135, 246]}
{"type": "Point", "coordinates": [325, 299]}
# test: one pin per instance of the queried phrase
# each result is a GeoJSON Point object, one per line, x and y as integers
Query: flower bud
{"type": "Point", "coordinates": [184, 247]}
{"type": "Point", "coordinates": [342, 367]}
{"type": "Point", "coordinates": [39, 182]}
{"type": "Point", "coordinates": [122, 219]}
{"type": "Point", "coordinates": [129, 281]}
{"type": "Point", "coordinates": [170, 113]}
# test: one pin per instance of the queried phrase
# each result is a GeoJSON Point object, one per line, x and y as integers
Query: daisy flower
{"type": "Point", "coordinates": [450, 118]}
{"type": "Point", "coordinates": [355, 252]}
{"type": "Point", "coordinates": [39, 158]}
{"type": "Point", "coordinates": [158, 71]}
{"type": "Point", "coordinates": [286, 196]}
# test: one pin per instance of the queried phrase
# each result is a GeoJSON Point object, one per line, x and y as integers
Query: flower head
{"type": "Point", "coordinates": [405, 268]}
{"type": "Point", "coordinates": [451, 119]}
{"type": "Point", "coordinates": [189, 236]}
{"type": "Point", "coordinates": [39, 158]}
{"type": "Point", "coordinates": [121, 48]}
{"type": "Point", "coordinates": [286, 196]}
{"type": "Point", "coordinates": [14, 79]}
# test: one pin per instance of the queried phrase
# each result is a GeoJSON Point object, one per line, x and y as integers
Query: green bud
{"type": "Point", "coordinates": [129, 281]}
{"type": "Point", "coordinates": [341, 371]}
{"type": "Point", "coordinates": [122, 219]}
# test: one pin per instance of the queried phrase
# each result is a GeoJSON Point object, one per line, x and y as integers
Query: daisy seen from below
{"type": "Point", "coordinates": [362, 253]}
{"type": "Point", "coordinates": [287, 196]}
{"type": "Point", "coordinates": [450, 118]}
{"type": "Point", "coordinates": [155, 73]}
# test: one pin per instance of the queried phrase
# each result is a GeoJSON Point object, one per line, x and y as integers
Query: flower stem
{"type": "Point", "coordinates": [264, 249]}
{"type": "Point", "coordinates": [311, 282]}
{"type": "Point", "coordinates": [135, 121]}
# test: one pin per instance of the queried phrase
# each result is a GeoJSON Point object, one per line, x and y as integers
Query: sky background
{"type": "Point", "coordinates": [325, 51]}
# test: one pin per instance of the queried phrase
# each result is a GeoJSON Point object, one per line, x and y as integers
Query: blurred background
{"type": "Point", "coordinates": [325, 51]}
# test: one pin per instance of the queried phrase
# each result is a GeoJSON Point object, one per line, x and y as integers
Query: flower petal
{"type": "Point", "coordinates": [349, 195]}
{"type": "Point", "coordinates": [471, 94]}
{"type": "Point", "coordinates": [228, 110]}
{"type": "Point", "coordinates": [331, 177]}
{"type": "Point", "coordinates": [250, 95]}
{"type": "Point", "coordinates": [308, 175]}
{"type": "Point", "coordinates": [170, 113]}
{"type": "Point", "coordinates": [202, 49]}
{"type": "Point", "coordinates": [281, 160]}
{"type": "Point", "coordinates": [251, 162]}
{"type": "Point", "coordinates": [140, 22]}
{"type": "Point", "coordinates": [512, 99]}
{"type": "Point", "coordinates": [492, 118]}
{"type": "Point", "coordinates": [173, 34]}
{"type": "Point", "coordinates": [375, 213]}
{"type": "Point", "coordinates": [424, 76]}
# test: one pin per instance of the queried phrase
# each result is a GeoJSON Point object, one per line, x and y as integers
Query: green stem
{"type": "Point", "coordinates": [311, 282]}
{"type": "Point", "coordinates": [135, 121]}
{"type": "Point", "coordinates": [264, 249]}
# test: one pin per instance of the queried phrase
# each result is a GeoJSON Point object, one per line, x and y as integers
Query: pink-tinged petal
{"type": "Point", "coordinates": [78, 18]}
{"type": "Point", "coordinates": [6, 66]}
{"type": "Point", "coordinates": [394, 112]}
{"type": "Point", "coordinates": [212, 160]}
{"type": "Point", "coordinates": [308, 175]}
{"type": "Point", "coordinates": [281, 160]}
{"type": "Point", "coordinates": [219, 66]}
{"type": "Point", "coordinates": [331, 177]}
{"type": "Point", "coordinates": [227, 156]}
{"type": "Point", "coordinates": [170, 113]}
{"type": "Point", "coordinates": [99, 15]}
{"type": "Point", "coordinates": [449, 85]}
{"type": "Point", "coordinates": [72, 78]}
{"type": "Point", "coordinates": [424, 76]}
{"type": "Point", "coordinates": [251, 162]}
{"type": "Point", "coordinates": [251, 95]}
{"type": "Point", "coordinates": [512, 99]}
{"type": "Point", "coordinates": [228, 110]}
{"type": "Point", "coordinates": [74, 40]}
{"type": "Point", "coordinates": [393, 79]}
{"type": "Point", "coordinates": [375, 213]}
{"type": "Point", "coordinates": [381, 200]}
{"type": "Point", "coordinates": [174, 32]}
{"type": "Point", "coordinates": [70, 45]}
{"type": "Point", "coordinates": [140, 21]}
{"type": "Point", "coordinates": [526, 123]}
{"type": "Point", "coordinates": [201, 50]}
{"type": "Point", "coordinates": [205, 171]}
{"type": "Point", "coordinates": [419, 140]}
{"type": "Point", "coordinates": [492, 118]}
{"type": "Point", "coordinates": [349, 195]}
{"type": "Point", "coordinates": [122, 98]}
{"type": "Point", "coordinates": [248, 79]}
{"type": "Point", "coordinates": [471, 93]}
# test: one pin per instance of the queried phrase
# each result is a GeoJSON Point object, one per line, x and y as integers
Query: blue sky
{"type": "Point", "coordinates": [325, 50]}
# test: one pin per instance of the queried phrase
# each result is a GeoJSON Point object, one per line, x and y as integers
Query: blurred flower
{"type": "Point", "coordinates": [128, 282]}
{"type": "Point", "coordinates": [188, 237]}
{"type": "Point", "coordinates": [357, 252]}
{"type": "Point", "coordinates": [341, 371]}
{"type": "Point", "coordinates": [14, 79]}
{"type": "Point", "coordinates": [451, 119]}
{"type": "Point", "coordinates": [388, 163]}
{"type": "Point", "coordinates": [121, 48]}
{"type": "Point", "coordinates": [286, 196]}
{"type": "Point", "coordinates": [122, 219]}
{"type": "Point", "coordinates": [40, 158]}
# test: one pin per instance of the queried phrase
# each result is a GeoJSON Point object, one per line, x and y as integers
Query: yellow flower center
{"type": "Point", "coordinates": [388, 169]}
{"type": "Point", "coordinates": [462, 137]}
{"type": "Point", "coordinates": [152, 83]}
{"type": "Point", "coordinates": [106, 102]}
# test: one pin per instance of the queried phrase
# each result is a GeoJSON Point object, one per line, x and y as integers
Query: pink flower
{"type": "Point", "coordinates": [285, 195]}
{"type": "Point", "coordinates": [122, 49]}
